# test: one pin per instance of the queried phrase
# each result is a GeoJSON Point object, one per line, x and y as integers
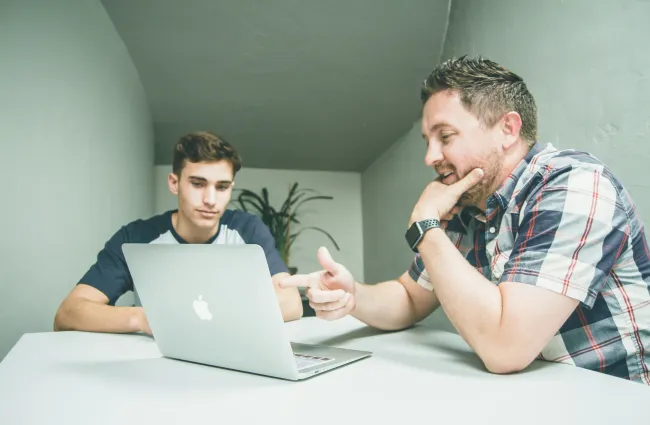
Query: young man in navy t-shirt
{"type": "Point", "coordinates": [204, 169]}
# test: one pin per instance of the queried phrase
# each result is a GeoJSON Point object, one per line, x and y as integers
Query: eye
{"type": "Point", "coordinates": [445, 137]}
{"type": "Point", "coordinates": [223, 187]}
{"type": "Point", "coordinates": [196, 184]}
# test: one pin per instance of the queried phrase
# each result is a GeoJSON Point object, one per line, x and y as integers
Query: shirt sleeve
{"type": "Point", "coordinates": [419, 274]}
{"type": "Point", "coordinates": [262, 236]}
{"type": "Point", "coordinates": [571, 231]}
{"type": "Point", "coordinates": [110, 273]}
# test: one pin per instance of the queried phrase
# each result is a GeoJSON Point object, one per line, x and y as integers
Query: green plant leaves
{"type": "Point", "coordinates": [280, 221]}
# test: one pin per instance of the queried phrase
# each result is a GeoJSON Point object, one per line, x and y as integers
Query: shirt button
{"type": "Point", "coordinates": [492, 230]}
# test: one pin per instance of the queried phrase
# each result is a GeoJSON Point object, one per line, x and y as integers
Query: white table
{"type": "Point", "coordinates": [418, 376]}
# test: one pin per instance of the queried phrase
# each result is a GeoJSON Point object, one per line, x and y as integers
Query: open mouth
{"type": "Point", "coordinates": [447, 177]}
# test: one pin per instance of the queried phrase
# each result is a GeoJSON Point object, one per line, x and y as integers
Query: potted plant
{"type": "Point", "coordinates": [281, 222]}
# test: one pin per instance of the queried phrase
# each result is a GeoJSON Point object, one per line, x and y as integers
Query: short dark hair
{"type": "Point", "coordinates": [486, 89]}
{"type": "Point", "coordinates": [202, 146]}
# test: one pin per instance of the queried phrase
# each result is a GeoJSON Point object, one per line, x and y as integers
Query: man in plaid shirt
{"type": "Point", "coordinates": [561, 254]}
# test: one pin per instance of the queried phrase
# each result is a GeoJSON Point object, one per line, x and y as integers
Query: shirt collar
{"type": "Point", "coordinates": [502, 196]}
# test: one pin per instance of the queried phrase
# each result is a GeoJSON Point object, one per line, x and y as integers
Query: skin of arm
{"type": "Point", "coordinates": [86, 309]}
{"type": "Point", "coordinates": [394, 304]}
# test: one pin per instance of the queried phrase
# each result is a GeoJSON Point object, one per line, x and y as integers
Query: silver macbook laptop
{"type": "Point", "coordinates": [216, 305]}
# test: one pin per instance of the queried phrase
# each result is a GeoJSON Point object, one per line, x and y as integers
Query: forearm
{"type": "Point", "coordinates": [85, 315]}
{"type": "Point", "coordinates": [385, 305]}
{"type": "Point", "coordinates": [290, 303]}
{"type": "Point", "coordinates": [472, 303]}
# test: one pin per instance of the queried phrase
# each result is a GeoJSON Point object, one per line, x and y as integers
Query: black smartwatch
{"type": "Point", "coordinates": [415, 233]}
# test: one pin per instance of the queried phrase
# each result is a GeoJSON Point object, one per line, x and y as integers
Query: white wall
{"type": "Point", "coordinates": [77, 148]}
{"type": "Point", "coordinates": [586, 64]}
{"type": "Point", "coordinates": [341, 216]}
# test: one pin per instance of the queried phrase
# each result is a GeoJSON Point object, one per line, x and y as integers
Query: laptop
{"type": "Point", "coordinates": [216, 305]}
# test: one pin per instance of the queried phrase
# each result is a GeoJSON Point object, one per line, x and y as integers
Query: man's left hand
{"type": "Point", "coordinates": [438, 199]}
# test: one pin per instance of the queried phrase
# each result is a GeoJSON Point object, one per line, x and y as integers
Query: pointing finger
{"type": "Point", "coordinates": [303, 280]}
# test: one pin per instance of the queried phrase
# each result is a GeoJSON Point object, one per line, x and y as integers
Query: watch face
{"type": "Point", "coordinates": [413, 235]}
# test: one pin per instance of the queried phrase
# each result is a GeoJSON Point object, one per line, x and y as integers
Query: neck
{"type": "Point", "coordinates": [190, 233]}
{"type": "Point", "coordinates": [511, 160]}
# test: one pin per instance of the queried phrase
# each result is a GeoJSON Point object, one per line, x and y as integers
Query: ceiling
{"type": "Point", "coordinates": [293, 84]}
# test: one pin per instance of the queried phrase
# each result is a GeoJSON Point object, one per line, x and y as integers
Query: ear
{"type": "Point", "coordinates": [510, 127]}
{"type": "Point", "coordinates": [172, 182]}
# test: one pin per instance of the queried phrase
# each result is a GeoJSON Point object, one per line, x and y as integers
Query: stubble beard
{"type": "Point", "coordinates": [483, 189]}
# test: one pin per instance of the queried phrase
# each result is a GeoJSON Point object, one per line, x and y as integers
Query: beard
{"type": "Point", "coordinates": [479, 193]}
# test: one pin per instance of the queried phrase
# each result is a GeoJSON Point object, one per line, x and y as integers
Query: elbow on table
{"type": "Point", "coordinates": [386, 324]}
{"type": "Point", "coordinates": [506, 363]}
{"type": "Point", "coordinates": [61, 318]}
{"type": "Point", "coordinates": [395, 327]}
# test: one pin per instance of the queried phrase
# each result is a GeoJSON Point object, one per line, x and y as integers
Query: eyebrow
{"type": "Point", "coordinates": [203, 179]}
{"type": "Point", "coordinates": [436, 126]}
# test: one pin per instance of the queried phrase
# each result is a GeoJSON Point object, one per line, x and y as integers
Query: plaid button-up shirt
{"type": "Point", "coordinates": [562, 221]}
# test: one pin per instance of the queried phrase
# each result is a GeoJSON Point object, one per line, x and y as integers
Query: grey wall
{"type": "Point", "coordinates": [586, 63]}
{"type": "Point", "coordinates": [77, 152]}
{"type": "Point", "coordinates": [289, 82]}
{"type": "Point", "coordinates": [390, 188]}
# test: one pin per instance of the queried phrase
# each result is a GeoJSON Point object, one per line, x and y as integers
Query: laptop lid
{"type": "Point", "coordinates": [212, 304]}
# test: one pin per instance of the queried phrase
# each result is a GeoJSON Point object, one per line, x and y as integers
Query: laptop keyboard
{"type": "Point", "coordinates": [304, 360]}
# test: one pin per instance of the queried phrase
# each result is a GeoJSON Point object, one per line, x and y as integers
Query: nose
{"type": "Point", "coordinates": [434, 154]}
{"type": "Point", "coordinates": [210, 196]}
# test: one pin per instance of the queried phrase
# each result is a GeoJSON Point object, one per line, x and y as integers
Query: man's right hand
{"type": "Point", "coordinates": [330, 291]}
{"type": "Point", "coordinates": [141, 322]}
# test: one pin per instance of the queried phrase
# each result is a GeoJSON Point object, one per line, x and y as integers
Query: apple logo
{"type": "Point", "coordinates": [201, 309]}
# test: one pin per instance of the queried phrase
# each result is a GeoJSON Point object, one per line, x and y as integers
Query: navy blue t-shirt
{"type": "Point", "coordinates": [110, 273]}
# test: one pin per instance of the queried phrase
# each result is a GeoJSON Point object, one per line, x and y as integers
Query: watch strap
{"type": "Point", "coordinates": [417, 230]}
{"type": "Point", "coordinates": [429, 223]}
